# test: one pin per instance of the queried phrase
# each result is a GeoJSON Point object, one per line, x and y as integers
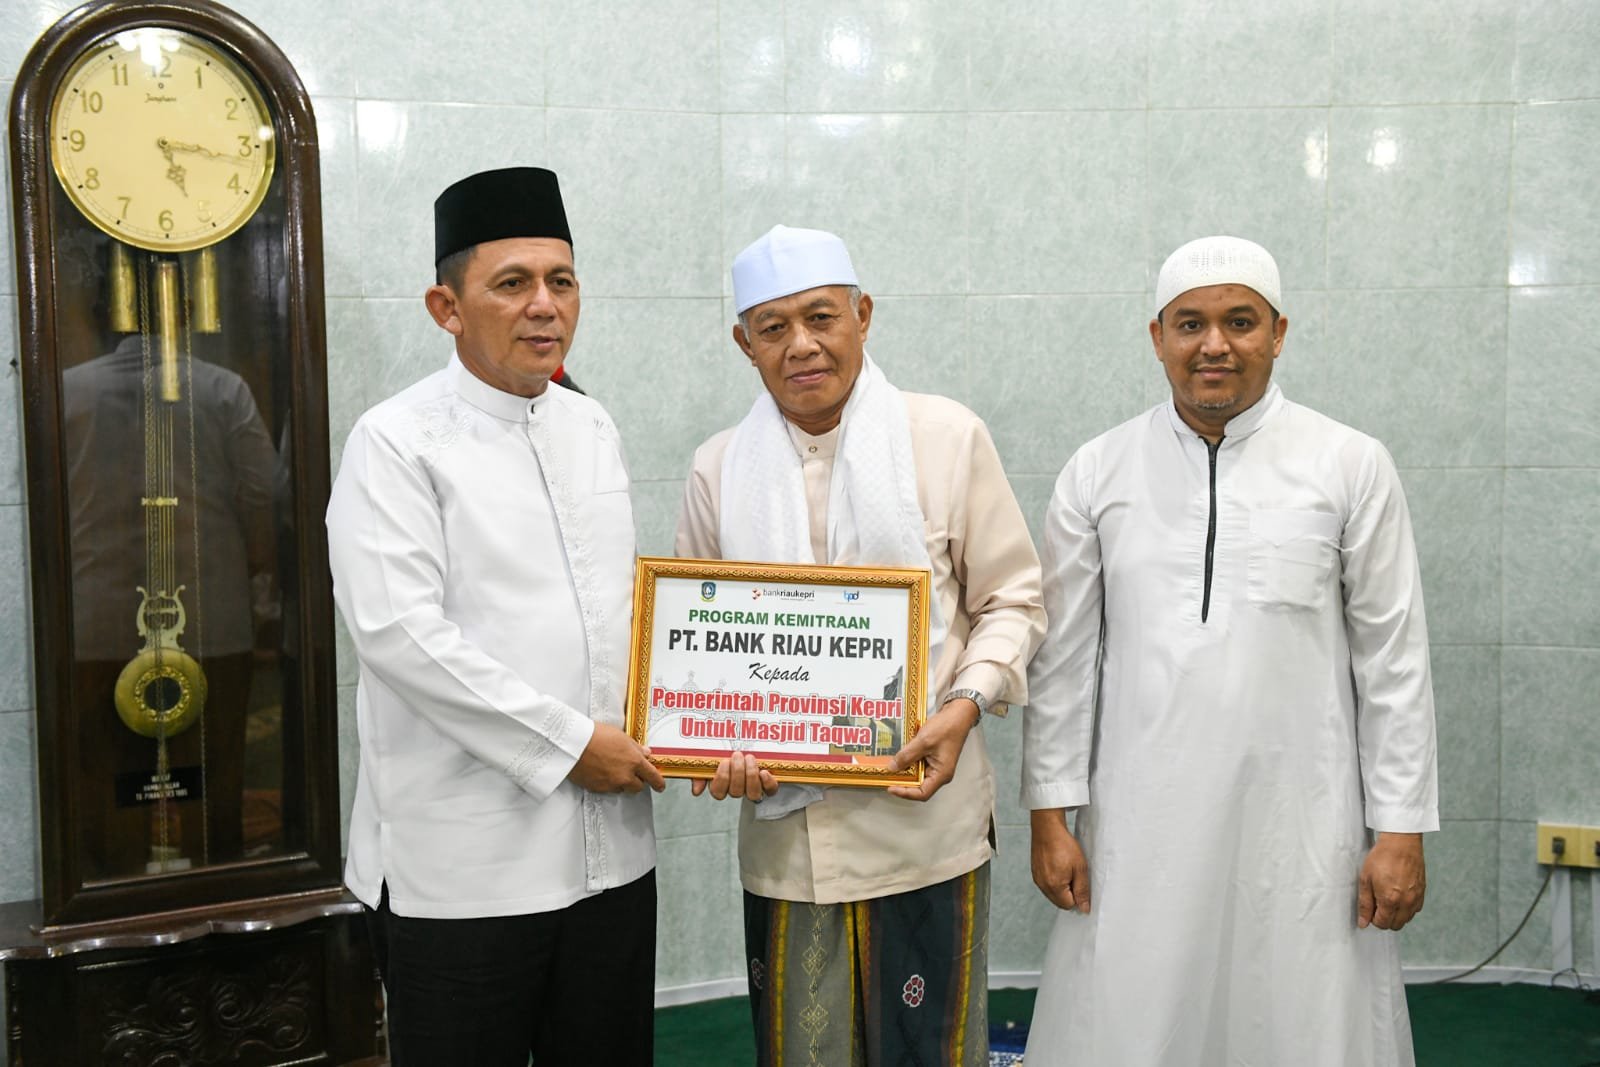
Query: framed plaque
{"type": "Point", "coordinates": [816, 671]}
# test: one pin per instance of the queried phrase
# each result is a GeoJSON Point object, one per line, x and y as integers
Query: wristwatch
{"type": "Point", "coordinates": [973, 695]}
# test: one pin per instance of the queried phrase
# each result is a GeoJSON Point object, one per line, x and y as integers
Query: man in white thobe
{"type": "Point", "coordinates": [482, 547]}
{"type": "Point", "coordinates": [1234, 696]}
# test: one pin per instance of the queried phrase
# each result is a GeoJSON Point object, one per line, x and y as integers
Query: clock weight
{"type": "Point", "coordinates": [200, 286]}
{"type": "Point", "coordinates": [122, 289]}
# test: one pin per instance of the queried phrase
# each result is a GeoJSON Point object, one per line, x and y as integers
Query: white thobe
{"type": "Point", "coordinates": [482, 547]}
{"type": "Point", "coordinates": [1240, 745]}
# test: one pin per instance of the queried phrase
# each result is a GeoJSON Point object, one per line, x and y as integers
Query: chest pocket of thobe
{"type": "Point", "coordinates": [610, 510]}
{"type": "Point", "coordinates": [609, 475]}
{"type": "Point", "coordinates": [1292, 555]}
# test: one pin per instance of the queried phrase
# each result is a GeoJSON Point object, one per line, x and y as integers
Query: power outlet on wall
{"type": "Point", "coordinates": [1579, 846]}
{"type": "Point", "coordinates": [1589, 846]}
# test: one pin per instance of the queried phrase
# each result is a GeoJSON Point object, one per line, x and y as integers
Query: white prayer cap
{"type": "Point", "coordinates": [787, 260]}
{"type": "Point", "coordinates": [1218, 261]}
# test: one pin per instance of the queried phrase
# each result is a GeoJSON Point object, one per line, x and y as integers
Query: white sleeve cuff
{"type": "Point", "coordinates": [1387, 819]}
{"type": "Point", "coordinates": [1055, 795]}
{"type": "Point", "coordinates": [545, 761]}
{"type": "Point", "coordinates": [985, 677]}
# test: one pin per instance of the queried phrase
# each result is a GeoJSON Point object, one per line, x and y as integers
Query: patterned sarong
{"type": "Point", "coordinates": [899, 981]}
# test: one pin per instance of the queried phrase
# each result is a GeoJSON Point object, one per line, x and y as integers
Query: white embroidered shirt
{"type": "Point", "coordinates": [482, 548]}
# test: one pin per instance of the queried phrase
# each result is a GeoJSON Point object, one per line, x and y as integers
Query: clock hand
{"type": "Point", "coordinates": [180, 146]}
{"type": "Point", "coordinates": [175, 172]}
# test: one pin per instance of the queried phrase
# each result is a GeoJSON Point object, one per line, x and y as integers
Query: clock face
{"type": "Point", "coordinates": [161, 140]}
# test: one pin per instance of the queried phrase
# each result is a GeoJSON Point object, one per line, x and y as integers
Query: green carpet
{"type": "Point", "coordinates": [1524, 1025]}
{"type": "Point", "coordinates": [1454, 1026]}
{"type": "Point", "coordinates": [699, 1035]}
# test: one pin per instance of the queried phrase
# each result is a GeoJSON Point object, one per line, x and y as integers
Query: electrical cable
{"type": "Point", "coordinates": [1578, 984]}
{"type": "Point", "coordinates": [1495, 954]}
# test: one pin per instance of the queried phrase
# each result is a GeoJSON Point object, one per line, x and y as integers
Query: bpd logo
{"type": "Point", "coordinates": [755, 594]}
{"type": "Point", "coordinates": [852, 594]}
{"type": "Point", "coordinates": [708, 590]}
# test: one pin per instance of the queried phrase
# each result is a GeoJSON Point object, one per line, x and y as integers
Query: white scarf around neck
{"type": "Point", "coordinates": [874, 519]}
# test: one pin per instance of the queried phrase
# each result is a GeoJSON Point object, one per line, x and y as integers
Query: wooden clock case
{"type": "Point", "coordinates": [251, 954]}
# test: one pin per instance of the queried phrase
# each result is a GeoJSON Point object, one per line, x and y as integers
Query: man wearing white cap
{"type": "Point", "coordinates": [1234, 695]}
{"type": "Point", "coordinates": [866, 911]}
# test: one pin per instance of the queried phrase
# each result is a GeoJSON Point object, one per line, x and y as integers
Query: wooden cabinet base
{"type": "Point", "coordinates": [301, 994]}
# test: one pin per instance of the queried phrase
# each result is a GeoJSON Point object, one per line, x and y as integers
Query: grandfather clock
{"type": "Point", "coordinates": [168, 235]}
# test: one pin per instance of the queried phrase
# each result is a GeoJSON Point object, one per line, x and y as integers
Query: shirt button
{"type": "Point", "coordinates": [811, 448]}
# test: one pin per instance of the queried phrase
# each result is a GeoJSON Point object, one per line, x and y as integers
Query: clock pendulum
{"type": "Point", "coordinates": [163, 142]}
{"type": "Point", "coordinates": [162, 691]}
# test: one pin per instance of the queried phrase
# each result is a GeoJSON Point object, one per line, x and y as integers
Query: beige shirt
{"type": "Point", "coordinates": [858, 843]}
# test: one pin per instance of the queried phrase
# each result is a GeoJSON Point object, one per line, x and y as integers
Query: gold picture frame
{"type": "Point", "coordinates": [836, 688]}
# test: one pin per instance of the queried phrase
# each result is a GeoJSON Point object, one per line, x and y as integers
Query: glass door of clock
{"type": "Point", "coordinates": [181, 548]}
